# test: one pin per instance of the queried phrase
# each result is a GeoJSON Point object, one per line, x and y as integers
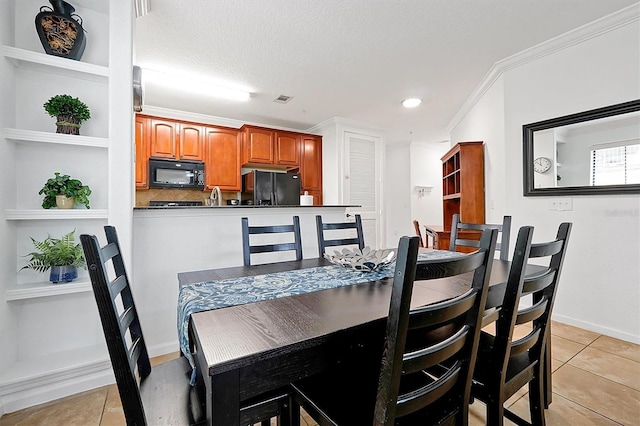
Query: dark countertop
{"type": "Point", "coordinates": [234, 207]}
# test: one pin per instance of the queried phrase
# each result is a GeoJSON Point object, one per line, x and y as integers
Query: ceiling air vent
{"type": "Point", "coordinates": [282, 99]}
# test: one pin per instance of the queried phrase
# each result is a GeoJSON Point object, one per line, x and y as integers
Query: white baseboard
{"type": "Point", "coordinates": [48, 387]}
{"type": "Point", "coordinates": [597, 328]}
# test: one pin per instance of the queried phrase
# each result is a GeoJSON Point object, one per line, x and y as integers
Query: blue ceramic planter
{"type": "Point", "coordinates": [64, 274]}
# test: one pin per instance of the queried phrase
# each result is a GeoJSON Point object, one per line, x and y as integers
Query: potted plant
{"type": "Point", "coordinates": [69, 111]}
{"type": "Point", "coordinates": [64, 192]}
{"type": "Point", "coordinates": [62, 255]}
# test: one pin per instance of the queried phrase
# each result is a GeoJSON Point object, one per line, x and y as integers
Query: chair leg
{"type": "Point", "coordinates": [495, 413]}
{"type": "Point", "coordinates": [294, 410]}
{"type": "Point", "coordinates": [536, 397]}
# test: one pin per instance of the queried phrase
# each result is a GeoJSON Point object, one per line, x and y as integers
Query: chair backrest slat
{"type": "Point", "coordinates": [418, 366]}
{"type": "Point", "coordinates": [248, 249]}
{"type": "Point", "coordinates": [324, 242]}
{"type": "Point", "coordinates": [503, 228]}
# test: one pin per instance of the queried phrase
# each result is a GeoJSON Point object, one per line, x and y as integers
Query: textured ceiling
{"type": "Point", "coordinates": [355, 59]}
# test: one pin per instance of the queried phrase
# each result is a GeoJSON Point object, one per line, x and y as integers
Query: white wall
{"type": "Point", "coordinates": [426, 170]}
{"type": "Point", "coordinates": [397, 187]}
{"type": "Point", "coordinates": [486, 123]}
{"type": "Point", "coordinates": [402, 202]}
{"type": "Point", "coordinates": [599, 288]}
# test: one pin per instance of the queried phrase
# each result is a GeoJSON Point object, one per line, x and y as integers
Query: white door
{"type": "Point", "coordinates": [362, 183]}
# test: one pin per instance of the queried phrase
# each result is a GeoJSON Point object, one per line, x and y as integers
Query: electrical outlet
{"type": "Point", "coordinates": [561, 204]}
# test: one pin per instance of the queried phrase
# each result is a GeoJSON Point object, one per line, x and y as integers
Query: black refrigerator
{"type": "Point", "coordinates": [276, 189]}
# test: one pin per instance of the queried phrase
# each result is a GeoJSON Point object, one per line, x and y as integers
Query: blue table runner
{"type": "Point", "coordinates": [208, 295]}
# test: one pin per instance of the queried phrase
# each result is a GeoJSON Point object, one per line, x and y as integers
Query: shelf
{"type": "Point", "coordinates": [451, 196]}
{"type": "Point", "coordinates": [46, 289]}
{"type": "Point", "coordinates": [42, 62]}
{"type": "Point", "coordinates": [20, 135]}
{"type": "Point", "coordinates": [455, 172]}
{"type": "Point", "coordinates": [53, 214]}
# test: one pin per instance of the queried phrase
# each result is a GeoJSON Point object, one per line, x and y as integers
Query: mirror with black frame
{"type": "Point", "coordinates": [592, 152]}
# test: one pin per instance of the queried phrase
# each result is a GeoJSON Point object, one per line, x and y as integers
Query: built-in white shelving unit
{"type": "Point", "coordinates": [54, 329]}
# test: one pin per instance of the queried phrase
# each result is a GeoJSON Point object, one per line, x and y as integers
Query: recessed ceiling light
{"type": "Point", "coordinates": [411, 102]}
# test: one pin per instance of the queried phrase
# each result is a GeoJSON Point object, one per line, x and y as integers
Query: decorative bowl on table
{"type": "Point", "coordinates": [365, 260]}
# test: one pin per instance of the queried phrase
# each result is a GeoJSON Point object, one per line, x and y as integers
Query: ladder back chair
{"type": "Point", "coordinates": [162, 395]}
{"type": "Point", "coordinates": [414, 381]}
{"type": "Point", "coordinates": [503, 228]}
{"type": "Point", "coordinates": [324, 242]}
{"type": "Point", "coordinates": [248, 249]}
{"type": "Point", "coordinates": [416, 226]}
{"type": "Point", "coordinates": [504, 365]}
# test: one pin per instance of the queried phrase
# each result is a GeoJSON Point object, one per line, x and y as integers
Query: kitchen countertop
{"type": "Point", "coordinates": [234, 207]}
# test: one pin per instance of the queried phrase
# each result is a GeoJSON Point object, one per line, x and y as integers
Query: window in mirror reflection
{"type": "Point", "coordinates": [612, 165]}
{"type": "Point", "coordinates": [590, 153]}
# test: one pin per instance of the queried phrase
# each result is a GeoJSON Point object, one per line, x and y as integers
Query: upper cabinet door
{"type": "Point", "coordinates": [259, 145]}
{"type": "Point", "coordinates": [163, 139]}
{"type": "Point", "coordinates": [222, 159]}
{"type": "Point", "coordinates": [287, 149]}
{"type": "Point", "coordinates": [142, 153]}
{"type": "Point", "coordinates": [191, 142]}
{"type": "Point", "coordinates": [311, 164]}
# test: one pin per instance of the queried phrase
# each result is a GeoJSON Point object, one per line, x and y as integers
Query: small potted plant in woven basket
{"type": "Point", "coordinates": [69, 111]}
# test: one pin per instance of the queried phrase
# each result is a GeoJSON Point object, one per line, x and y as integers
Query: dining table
{"type": "Point", "coordinates": [254, 329]}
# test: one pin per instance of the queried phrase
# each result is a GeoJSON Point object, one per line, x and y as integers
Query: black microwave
{"type": "Point", "coordinates": [176, 174]}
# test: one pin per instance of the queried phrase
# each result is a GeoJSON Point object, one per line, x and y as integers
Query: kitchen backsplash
{"type": "Point", "coordinates": [143, 197]}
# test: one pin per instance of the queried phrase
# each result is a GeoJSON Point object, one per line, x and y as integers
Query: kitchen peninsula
{"type": "Point", "coordinates": [169, 240]}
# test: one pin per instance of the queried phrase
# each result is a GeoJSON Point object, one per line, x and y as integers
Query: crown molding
{"type": "Point", "coordinates": [576, 36]}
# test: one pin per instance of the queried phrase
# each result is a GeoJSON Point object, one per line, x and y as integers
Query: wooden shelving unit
{"type": "Point", "coordinates": [462, 187]}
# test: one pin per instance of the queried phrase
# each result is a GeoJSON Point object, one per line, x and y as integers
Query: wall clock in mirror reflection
{"type": "Point", "coordinates": [541, 165]}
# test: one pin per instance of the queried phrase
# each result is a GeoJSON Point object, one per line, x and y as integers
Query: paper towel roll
{"type": "Point", "coordinates": [306, 200]}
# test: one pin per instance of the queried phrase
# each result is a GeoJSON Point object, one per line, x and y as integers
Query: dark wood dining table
{"type": "Point", "coordinates": [253, 348]}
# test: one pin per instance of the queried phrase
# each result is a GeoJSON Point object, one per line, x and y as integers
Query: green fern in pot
{"type": "Point", "coordinates": [62, 255]}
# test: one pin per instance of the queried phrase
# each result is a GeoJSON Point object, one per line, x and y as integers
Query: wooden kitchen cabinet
{"type": "Point", "coordinates": [287, 149]}
{"type": "Point", "coordinates": [311, 166]}
{"type": "Point", "coordinates": [142, 153]}
{"type": "Point", "coordinates": [222, 158]}
{"type": "Point", "coordinates": [191, 142]}
{"type": "Point", "coordinates": [176, 140]}
{"type": "Point", "coordinates": [163, 139]}
{"type": "Point", "coordinates": [259, 146]}
{"type": "Point", "coordinates": [462, 187]}
{"type": "Point", "coordinates": [269, 147]}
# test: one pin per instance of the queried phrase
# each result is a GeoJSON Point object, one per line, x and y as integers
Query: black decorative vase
{"type": "Point", "coordinates": [60, 30]}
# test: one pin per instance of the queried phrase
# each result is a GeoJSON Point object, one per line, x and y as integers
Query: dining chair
{"type": "Point", "coordinates": [505, 365]}
{"type": "Point", "coordinates": [504, 229]}
{"type": "Point", "coordinates": [248, 249]}
{"type": "Point", "coordinates": [324, 241]}
{"type": "Point", "coordinates": [162, 395]}
{"type": "Point", "coordinates": [416, 226]}
{"type": "Point", "coordinates": [414, 381]}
